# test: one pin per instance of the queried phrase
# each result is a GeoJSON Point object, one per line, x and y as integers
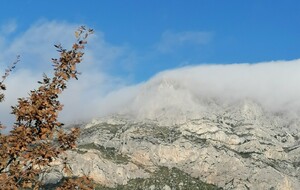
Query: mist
{"type": "Point", "coordinates": [274, 85]}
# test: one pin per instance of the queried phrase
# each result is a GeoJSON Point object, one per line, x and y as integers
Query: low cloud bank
{"type": "Point", "coordinates": [274, 85]}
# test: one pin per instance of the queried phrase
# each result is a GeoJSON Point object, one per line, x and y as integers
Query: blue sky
{"type": "Point", "coordinates": [211, 31]}
{"type": "Point", "coordinates": [137, 39]}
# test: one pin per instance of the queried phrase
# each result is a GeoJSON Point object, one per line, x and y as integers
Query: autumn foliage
{"type": "Point", "coordinates": [37, 137]}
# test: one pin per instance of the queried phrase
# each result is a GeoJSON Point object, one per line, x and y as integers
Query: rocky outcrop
{"type": "Point", "coordinates": [229, 147]}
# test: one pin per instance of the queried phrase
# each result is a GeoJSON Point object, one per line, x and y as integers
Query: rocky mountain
{"type": "Point", "coordinates": [213, 145]}
{"type": "Point", "coordinates": [175, 135]}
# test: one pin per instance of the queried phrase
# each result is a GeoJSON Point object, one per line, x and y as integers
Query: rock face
{"type": "Point", "coordinates": [230, 147]}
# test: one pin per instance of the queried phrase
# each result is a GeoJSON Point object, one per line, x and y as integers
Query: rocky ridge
{"type": "Point", "coordinates": [238, 146]}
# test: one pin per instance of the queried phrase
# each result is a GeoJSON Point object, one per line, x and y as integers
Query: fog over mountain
{"type": "Point", "coordinates": [188, 90]}
{"type": "Point", "coordinates": [274, 85]}
{"type": "Point", "coordinates": [233, 126]}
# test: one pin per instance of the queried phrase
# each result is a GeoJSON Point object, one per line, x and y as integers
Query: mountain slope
{"type": "Point", "coordinates": [232, 146]}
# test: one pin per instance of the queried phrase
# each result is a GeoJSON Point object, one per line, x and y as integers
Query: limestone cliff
{"type": "Point", "coordinates": [224, 146]}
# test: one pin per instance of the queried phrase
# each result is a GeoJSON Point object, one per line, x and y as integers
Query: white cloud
{"type": "Point", "coordinates": [175, 93]}
{"type": "Point", "coordinates": [274, 85]}
{"type": "Point", "coordinates": [171, 40]}
{"type": "Point", "coordinates": [9, 27]}
{"type": "Point", "coordinates": [35, 46]}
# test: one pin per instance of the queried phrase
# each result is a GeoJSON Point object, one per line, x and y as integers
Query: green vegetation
{"type": "Point", "coordinates": [164, 178]}
{"type": "Point", "coordinates": [167, 134]}
{"type": "Point", "coordinates": [109, 153]}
